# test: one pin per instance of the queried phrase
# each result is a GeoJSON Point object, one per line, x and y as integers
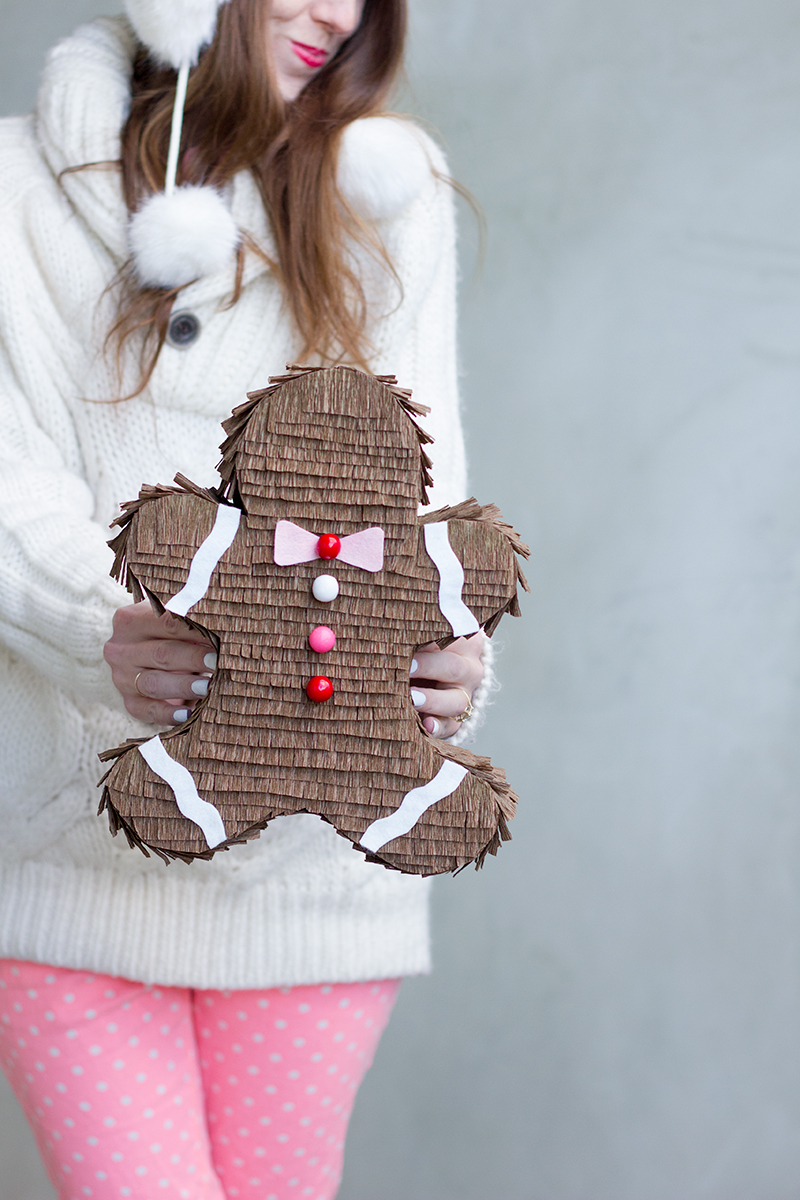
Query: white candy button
{"type": "Point", "coordinates": [325, 588]}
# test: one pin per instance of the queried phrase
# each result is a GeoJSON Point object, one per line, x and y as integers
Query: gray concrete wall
{"type": "Point", "coordinates": [615, 1011]}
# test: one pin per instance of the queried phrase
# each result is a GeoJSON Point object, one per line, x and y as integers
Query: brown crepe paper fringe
{"type": "Point", "coordinates": [333, 450]}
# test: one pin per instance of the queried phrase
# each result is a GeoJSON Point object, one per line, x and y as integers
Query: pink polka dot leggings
{"type": "Point", "coordinates": [145, 1092]}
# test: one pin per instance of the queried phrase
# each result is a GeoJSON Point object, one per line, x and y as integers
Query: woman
{"type": "Point", "coordinates": [193, 1031]}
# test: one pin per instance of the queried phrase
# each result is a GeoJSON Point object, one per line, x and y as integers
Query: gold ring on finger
{"type": "Point", "coordinates": [468, 711]}
{"type": "Point", "coordinates": [139, 690]}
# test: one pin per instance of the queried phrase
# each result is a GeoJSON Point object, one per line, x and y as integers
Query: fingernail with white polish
{"type": "Point", "coordinates": [417, 698]}
{"type": "Point", "coordinates": [414, 667]}
{"type": "Point", "coordinates": [180, 715]}
{"type": "Point", "coordinates": [436, 727]}
{"type": "Point", "coordinates": [210, 661]}
{"type": "Point", "coordinates": [200, 687]}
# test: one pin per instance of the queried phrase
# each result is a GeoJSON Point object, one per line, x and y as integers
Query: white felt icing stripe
{"type": "Point", "coordinates": [205, 560]}
{"type": "Point", "coordinates": [451, 579]}
{"type": "Point", "coordinates": [412, 806]}
{"type": "Point", "coordinates": [186, 794]}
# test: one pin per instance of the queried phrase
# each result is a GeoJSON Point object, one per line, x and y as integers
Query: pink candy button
{"type": "Point", "coordinates": [322, 639]}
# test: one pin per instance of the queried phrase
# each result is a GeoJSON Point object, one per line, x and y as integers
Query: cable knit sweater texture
{"type": "Point", "coordinates": [298, 905]}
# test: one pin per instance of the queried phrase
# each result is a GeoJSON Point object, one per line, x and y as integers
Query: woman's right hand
{"type": "Point", "coordinates": [170, 663]}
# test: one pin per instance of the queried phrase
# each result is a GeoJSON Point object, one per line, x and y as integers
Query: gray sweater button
{"type": "Point", "coordinates": [184, 329]}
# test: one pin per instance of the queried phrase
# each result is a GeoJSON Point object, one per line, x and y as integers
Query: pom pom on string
{"type": "Point", "coordinates": [174, 31]}
{"type": "Point", "coordinates": [383, 166]}
{"type": "Point", "coordinates": [181, 237]}
{"type": "Point", "coordinates": [183, 233]}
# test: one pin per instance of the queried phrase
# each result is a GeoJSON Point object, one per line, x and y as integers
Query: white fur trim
{"type": "Point", "coordinates": [383, 166]}
{"type": "Point", "coordinates": [176, 239]}
{"type": "Point", "coordinates": [174, 30]}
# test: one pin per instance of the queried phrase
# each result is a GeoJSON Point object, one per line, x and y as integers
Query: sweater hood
{"type": "Point", "coordinates": [385, 162]}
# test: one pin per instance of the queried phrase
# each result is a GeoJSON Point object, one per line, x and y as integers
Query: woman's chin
{"type": "Point", "coordinates": [290, 86]}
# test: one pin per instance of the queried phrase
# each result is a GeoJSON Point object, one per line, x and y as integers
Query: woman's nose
{"type": "Point", "coordinates": [342, 16]}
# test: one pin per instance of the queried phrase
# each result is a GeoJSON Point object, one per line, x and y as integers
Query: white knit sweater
{"type": "Point", "coordinates": [298, 905]}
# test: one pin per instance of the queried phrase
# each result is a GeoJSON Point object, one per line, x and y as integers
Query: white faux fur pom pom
{"type": "Point", "coordinates": [383, 166]}
{"type": "Point", "coordinates": [175, 31]}
{"type": "Point", "coordinates": [175, 239]}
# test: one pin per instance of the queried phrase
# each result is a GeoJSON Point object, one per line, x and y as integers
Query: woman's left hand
{"type": "Point", "coordinates": [442, 681]}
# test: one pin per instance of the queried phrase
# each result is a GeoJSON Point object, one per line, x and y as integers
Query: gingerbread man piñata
{"type": "Point", "coordinates": [311, 571]}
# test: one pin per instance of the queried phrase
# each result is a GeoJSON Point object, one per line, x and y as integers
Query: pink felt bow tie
{"type": "Point", "coordinates": [293, 544]}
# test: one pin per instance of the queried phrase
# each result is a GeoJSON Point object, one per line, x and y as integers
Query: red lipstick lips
{"type": "Point", "coordinates": [312, 56]}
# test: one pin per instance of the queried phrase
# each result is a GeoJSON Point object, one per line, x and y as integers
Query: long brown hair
{"type": "Point", "coordinates": [235, 120]}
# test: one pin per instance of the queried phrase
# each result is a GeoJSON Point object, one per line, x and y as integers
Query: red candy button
{"type": "Point", "coordinates": [328, 546]}
{"type": "Point", "coordinates": [319, 689]}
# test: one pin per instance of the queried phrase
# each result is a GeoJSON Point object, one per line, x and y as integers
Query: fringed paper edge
{"type": "Point", "coordinates": [470, 510]}
{"type": "Point", "coordinates": [236, 425]}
